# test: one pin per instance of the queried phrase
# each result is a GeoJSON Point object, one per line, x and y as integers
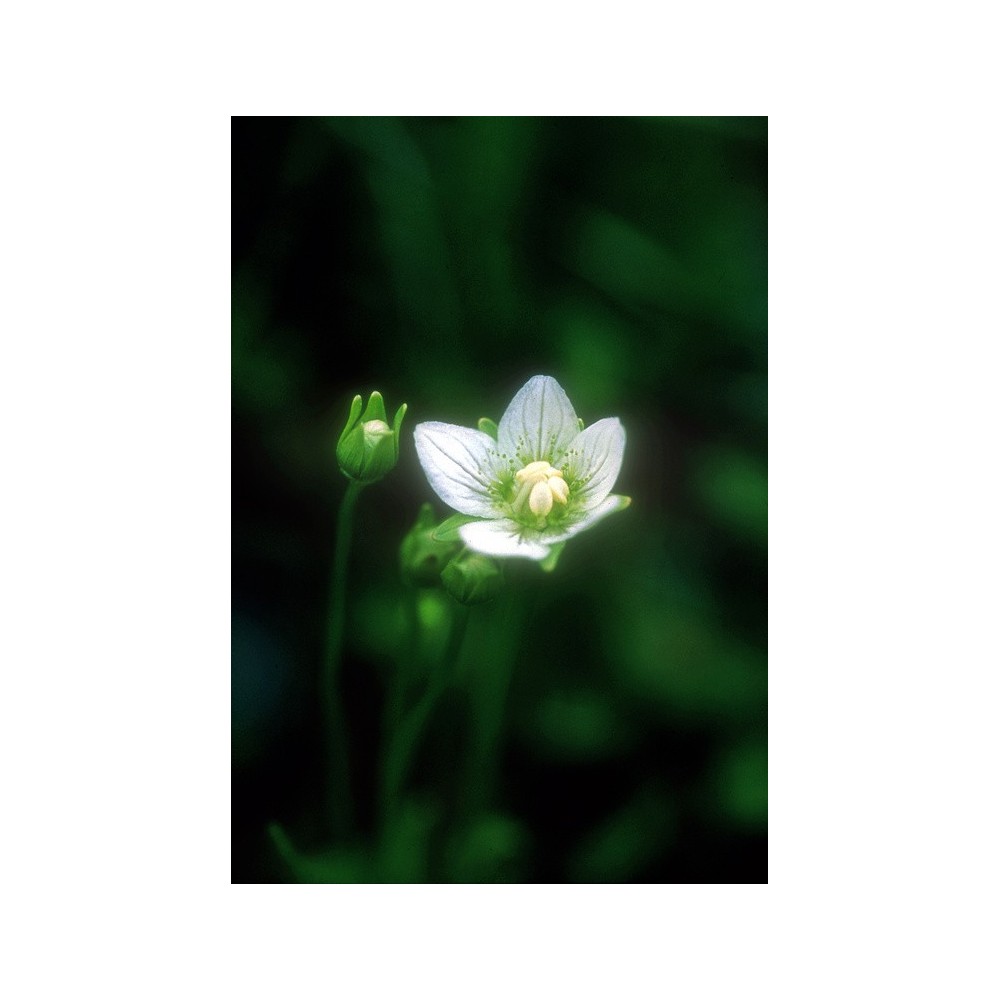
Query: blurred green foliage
{"type": "Point", "coordinates": [607, 721]}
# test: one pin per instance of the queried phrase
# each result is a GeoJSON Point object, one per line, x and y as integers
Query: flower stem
{"type": "Point", "coordinates": [339, 802]}
{"type": "Point", "coordinates": [406, 738]}
{"type": "Point", "coordinates": [489, 704]}
{"type": "Point", "coordinates": [409, 664]}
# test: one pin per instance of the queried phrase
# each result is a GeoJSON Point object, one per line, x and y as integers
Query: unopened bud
{"type": "Point", "coordinates": [472, 578]}
{"type": "Point", "coordinates": [422, 557]}
{"type": "Point", "coordinates": [368, 447]}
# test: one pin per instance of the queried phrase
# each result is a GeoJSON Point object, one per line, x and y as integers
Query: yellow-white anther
{"type": "Point", "coordinates": [540, 499]}
{"type": "Point", "coordinates": [535, 472]}
{"type": "Point", "coordinates": [541, 485]}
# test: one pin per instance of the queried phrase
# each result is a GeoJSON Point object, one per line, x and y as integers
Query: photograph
{"type": "Point", "coordinates": [499, 416]}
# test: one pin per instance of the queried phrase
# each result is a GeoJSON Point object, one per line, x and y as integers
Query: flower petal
{"type": "Point", "coordinates": [458, 463]}
{"type": "Point", "coordinates": [501, 537]}
{"type": "Point", "coordinates": [594, 460]}
{"type": "Point", "coordinates": [539, 424]}
{"type": "Point", "coordinates": [609, 505]}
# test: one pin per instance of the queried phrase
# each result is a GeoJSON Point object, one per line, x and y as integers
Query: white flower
{"type": "Point", "coordinates": [541, 480]}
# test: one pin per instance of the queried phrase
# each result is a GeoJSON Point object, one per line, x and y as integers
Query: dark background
{"type": "Point", "coordinates": [443, 262]}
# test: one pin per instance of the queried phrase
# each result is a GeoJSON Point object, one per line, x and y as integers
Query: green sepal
{"type": "Point", "coordinates": [375, 410]}
{"type": "Point", "coordinates": [397, 424]}
{"type": "Point", "coordinates": [425, 516]}
{"type": "Point", "coordinates": [447, 530]}
{"type": "Point", "coordinates": [352, 419]}
{"type": "Point", "coordinates": [579, 422]}
{"type": "Point", "coordinates": [488, 426]}
{"type": "Point", "coordinates": [548, 564]}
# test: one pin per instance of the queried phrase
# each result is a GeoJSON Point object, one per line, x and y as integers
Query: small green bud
{"type": "Point", "coordinates": [421, 555]}
{"type": "Point", "coordinates": [472, 579]}
{"type": "Point", "coordinates": [368, 447]}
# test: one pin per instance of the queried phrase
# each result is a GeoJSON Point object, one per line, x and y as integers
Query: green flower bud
{"type": "Point", "coordinates": [368, 447]}
{"type": "Point", "coordinates": [421, 555]}
{"type": "Point", "coordinates": [472, 579]}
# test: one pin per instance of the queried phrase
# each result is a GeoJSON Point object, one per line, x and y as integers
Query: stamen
{"type": "Point", "coordinates": [559, 489]}
{"type": "Point", "coordinates": [540, 486]}
{"type": "Point", "coordinates": [532, 471]}
{"type": "Point", "coordinates": [540, 500]}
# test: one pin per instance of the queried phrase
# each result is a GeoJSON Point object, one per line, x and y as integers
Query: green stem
{"type": "Point", "coordinates": [406, 738]}
{"type": "Point", "coordinates": [489, 701]}
{"type": "Point", "coordinates": [339, 803]}
{"type": "Point", "coordinates": [405, 667]}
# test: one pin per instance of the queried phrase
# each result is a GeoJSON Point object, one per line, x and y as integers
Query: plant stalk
{"type": "Point", "coordinates": [406, 739]}
{"type": "Point", "coordinates": [339, 802]}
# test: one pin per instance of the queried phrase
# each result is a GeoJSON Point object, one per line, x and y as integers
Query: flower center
{"type": "Point", "coordinates": [539, 486]}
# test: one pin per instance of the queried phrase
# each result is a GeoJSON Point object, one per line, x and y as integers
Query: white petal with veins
{"type": "Point", "coordinates": [501, 538]}
{"type": "Point", "coordinates": [595, 457]}
{"type": "Point", "coordinates": [607, 506]}
{"type": "Point", "coordinates": [459, 466]}
{"type": "Point", "coordinates": [540, 422]}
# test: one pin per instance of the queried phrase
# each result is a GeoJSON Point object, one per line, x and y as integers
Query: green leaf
{"type": "Point", "coordinates": [334, 866]}
{"type": "Point", "coordinates": [447, 530]}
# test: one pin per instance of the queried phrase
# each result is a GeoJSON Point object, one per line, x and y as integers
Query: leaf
{"type": "Point", "coordinates": [332, 866]}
